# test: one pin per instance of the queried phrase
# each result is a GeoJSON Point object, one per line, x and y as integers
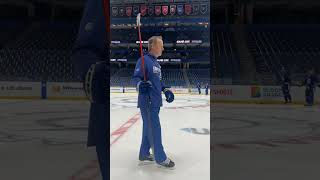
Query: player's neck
{"type": "Point", "coordinates": [153, 54]}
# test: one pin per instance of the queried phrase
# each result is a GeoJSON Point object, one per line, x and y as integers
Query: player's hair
{"type": "Point", "coordinates": [152, 41]}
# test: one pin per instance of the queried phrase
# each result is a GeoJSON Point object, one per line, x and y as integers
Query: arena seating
{"type": "Point", "coordinates": [122, 77]}
{"type": "Point", "coordinates": [291, 47]}
{"type": "Point", "coordinates": [45, 35]}
{"type": "Point", "coordinates": [50, 65]}
{"type": "Point", "coordinates": [43, 52]}
{"type": "Point", "coordinates": [173, 77]}
{"type": "Point", "coordinates": [9, 31]}
{"type": "Point", "coordinates": [170, 77]}
{"type": "Point", "coordinates": [198, 76]}
{"type": "Point", "coordinates": [226, 63]}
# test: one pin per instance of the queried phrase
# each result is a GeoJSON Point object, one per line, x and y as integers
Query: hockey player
{"type": "Point", "coordinates": [286, 89]}
{"type": "Point", "coordinates": [207, 88]}
{"type": "Point", "coordinates": [310, 83]}
{"type": "Point", "coordinates": [150, 101]}
{"type": "Point", "coordinates": [199, 87]}
{"type": "Point", "coordinates": [90, 57]}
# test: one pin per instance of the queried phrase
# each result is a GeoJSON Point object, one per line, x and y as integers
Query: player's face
{"type": "Point", "coordinates": [159, 48]}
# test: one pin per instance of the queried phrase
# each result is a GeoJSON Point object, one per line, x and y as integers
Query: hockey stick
{"type": "Point", "coordinates": [140, 42]}
{"type": "Point", "coordinates": [150, 132]}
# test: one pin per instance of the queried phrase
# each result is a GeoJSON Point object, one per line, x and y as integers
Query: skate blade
{"type": "Point", "coordinates": [145, 163]}
{"type": "Point", "coordinates": [163, 167]}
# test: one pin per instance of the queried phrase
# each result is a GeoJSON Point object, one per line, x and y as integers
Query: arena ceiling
{"type": "Point", "coordinates": [215, 4]}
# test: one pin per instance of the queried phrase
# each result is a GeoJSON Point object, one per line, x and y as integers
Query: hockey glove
{"type": "Point", "coordinates": [169, 95]}
{"type": "Point", "coordinates": [144, 86]}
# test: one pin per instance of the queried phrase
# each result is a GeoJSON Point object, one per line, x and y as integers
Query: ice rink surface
{"type": "Point", "coordinates": [46, 139]}
{"type": "Point", "coordinates": [42, 139]}
{"type": "Point", "coordinates": [185, 127]}
{"type": "Point", "coordinates": [265, 142]}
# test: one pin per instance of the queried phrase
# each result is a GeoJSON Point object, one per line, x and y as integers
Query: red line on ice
{"type": "Point", "coordinates": [115, 136]}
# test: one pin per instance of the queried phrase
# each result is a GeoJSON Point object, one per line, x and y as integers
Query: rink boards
{"type": "Point", "coordinates": [257, 94]}
{"type": "Point", "coordinates": [220, 93]}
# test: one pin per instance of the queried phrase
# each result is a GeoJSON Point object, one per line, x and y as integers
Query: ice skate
{"type": "Point", "coordinates": [168, 164]}
{"type": "Point", "coordinates": [146, 160]}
